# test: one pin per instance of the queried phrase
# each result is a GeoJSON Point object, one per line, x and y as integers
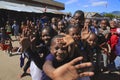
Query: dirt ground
{"type": "Point", "coordinates": [9, 66]}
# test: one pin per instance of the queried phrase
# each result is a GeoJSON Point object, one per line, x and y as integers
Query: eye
{"type": "Point", "coordinates": [64, 48]}
{"type": "Point", "coordinates": [56, 48]}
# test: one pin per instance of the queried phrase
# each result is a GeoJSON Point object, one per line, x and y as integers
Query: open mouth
{"type": "Point", "coordinates": [60, 56]}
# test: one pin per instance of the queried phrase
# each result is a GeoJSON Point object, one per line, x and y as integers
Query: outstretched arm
{"type": "Point", "coordinates": [68, 71]}
{"type": "Point", "coordinates": [48, 68]}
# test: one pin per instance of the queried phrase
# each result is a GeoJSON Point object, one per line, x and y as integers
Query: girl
{"type": "Point", "coordinates": [42, 51]}
{"type": "Point", "coordinates": [61, 27]}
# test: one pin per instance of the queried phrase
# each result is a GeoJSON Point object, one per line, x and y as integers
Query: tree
{"type": "Point", "coordinates": [109, 15]}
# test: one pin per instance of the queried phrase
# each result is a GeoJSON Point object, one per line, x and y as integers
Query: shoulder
{"type": "Point", "coordinates": [50, 57]}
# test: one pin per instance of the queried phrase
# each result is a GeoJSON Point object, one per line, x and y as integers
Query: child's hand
{"type": "Point", "coordinates": [69, 71]}
{"type": "Point", "coordinates": [85, 33]}
{"type": "Point", "coordinates": [66, 41]}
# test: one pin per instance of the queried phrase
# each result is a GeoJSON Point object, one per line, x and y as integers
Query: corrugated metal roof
{"type": "Point", "coordinates": [91, 14]}
{"type": "Point", "coordinates": [26, 8]}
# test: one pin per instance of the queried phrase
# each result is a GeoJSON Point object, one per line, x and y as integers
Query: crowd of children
{"type": "Point", "coordinates": [52, 45]}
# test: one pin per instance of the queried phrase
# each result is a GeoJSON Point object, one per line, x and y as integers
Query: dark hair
{"type": "Point", "coordinates": [95, 21]}
{"type": "Point", "coordinates": [79, 12]}
{"type": "Point", "coordinates": [61, 22]}
{"type": "Point", "coordinates": [57, 36]}
{"type": "Point", "coordinates": [51, 31]}
{"type": "Point", "coordinates": [72, 26]}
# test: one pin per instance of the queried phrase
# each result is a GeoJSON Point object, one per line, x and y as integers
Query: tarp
{"type": "Point", "coordinates": [26, 8]}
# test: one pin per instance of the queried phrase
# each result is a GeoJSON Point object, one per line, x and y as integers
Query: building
{"type": "Point", "coordinates": [23, 9]}
{"type": "Point", "coordinates": [35, 6]}
{"type": "Point", "coordinates": [92, 15]}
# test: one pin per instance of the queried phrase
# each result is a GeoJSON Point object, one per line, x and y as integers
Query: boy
{"type": "Point", "coordinates": [61, 53]}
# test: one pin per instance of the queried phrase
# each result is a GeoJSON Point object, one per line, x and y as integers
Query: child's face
{"type": "Point", "coordinates": [92, 40]}
{"type": "Point", "coordinates": [59, 50]}
{"type": "Point", "coordinates": [72, 21]}
{"type": "Point", "coordinates": [46, 36]}
{"type": "Point", "coordinates": [78, 18]}
{"type": "Point", "coordinates": [112, 24]}
{"type": "Point", "coordinates": [53, 20]}
{"type": "Point", "coordinates": [74, 33]}
{"type": "Point", "coordinates": [61, 26]}
{"type": "Point", "coordinates": [103, 24]}
{"type": "Point", "coordinates": [87, 22]}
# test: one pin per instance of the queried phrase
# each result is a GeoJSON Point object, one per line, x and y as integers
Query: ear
{"type": "Point", "coordinates": [51, 50]}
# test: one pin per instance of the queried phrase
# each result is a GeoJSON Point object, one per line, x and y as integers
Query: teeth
{"type": "Point", "coordinates": [61, 55]}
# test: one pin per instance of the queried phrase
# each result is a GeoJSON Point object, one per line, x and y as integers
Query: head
{"type": "Point", "coordinates": [53, 20]}
{"type": "Point", "coordinates": [3, 30]}
{"type": "Point", "coordinates": [32, 24]}
{"type": "Point", "coordinates": [74, 31]}
{"type": "Point", "coordinates": [14, 22]}
{"type": "Point", "coordinates": [95, 23]}
{"type": "Point", "coordinates": [112, 24]}
{"type": "Point", "coordinates": [61, 26]}
{"type": "Point", "coordinates": [92, 39]}
{"type": "Point", "coordinates": [79, 17]}
{"type": "Point", "coordinates": [7, 22]}
{"type": "Point", "coordinates": [46, 35]}
{"type": "Point", "coordinates": [28, 22]}
{"type": "Point", "coordinates": [88, 22]}
{"type": "Point", "coordinates": [72, 21]}
{"type": "Point", "coordinates": [103, 24]}
{"type": "Point", "coordinates": [59, 49]}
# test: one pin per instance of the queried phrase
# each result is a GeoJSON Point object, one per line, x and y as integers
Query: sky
{"type": "Point", "coordinates": [91, 5]}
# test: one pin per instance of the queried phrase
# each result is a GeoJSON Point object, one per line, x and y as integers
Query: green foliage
{"type": "Point", "coordinates": [111, 15]}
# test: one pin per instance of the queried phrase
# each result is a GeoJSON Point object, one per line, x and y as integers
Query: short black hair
{"type": "Point", "coordinates": [51, 31]}
{"type": "Point", "coordinates": [79, 12]}
{"type": "Point", "coordinates": [72, 26]}
{"type": "Point", "coordinates": [57, 36]}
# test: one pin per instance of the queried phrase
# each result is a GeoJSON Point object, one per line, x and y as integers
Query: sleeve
{"type": "Point", "coordinates": [50, 57]}
{"type": "Point", "coordinates": [12, 26]}
{"type": "Point", "coordinates": [114, 41]}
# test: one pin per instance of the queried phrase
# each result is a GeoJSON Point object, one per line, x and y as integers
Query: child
{"type": "Point", "coordinates": [42, 51]}
{"type": "Point", "coordinates": [74, 31]}
{"type": "Point", "coordinates": [5, 41]}
{"type": "Point", "coordinates": [79, 18]}
{"type": "Point", "coordinates": [44, 42]}
{"type": "Point", "coordinates": [54, 24]}
{"type": "Point", "coordinates": [94, 27]}
{"type": "Point", "coordinates": [113, 40]}
{"type": "Point", "coordinates": [60, 54]}
{"type": "Point", "coordinates": [105, 50]}
{"type": "Point", "coordinates": [117, 49]}
{"type": "Point", "coordinates": [93, 51]}
{"type": "Point", "coordinates": [61, 27]}
{"type": "Point", "coordinates": [34, 61]}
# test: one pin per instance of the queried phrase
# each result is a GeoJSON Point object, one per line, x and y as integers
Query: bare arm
{"type": "Point", "coordinates": [48, 68]}
{"type": "Point", "coordinates": [68, 71]}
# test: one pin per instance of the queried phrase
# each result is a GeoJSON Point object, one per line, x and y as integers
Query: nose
{"type": "Point", "coordinates": [74, 36]}
{"type": "Point", "coordinates": [59, 51]}
{"type": "Point", "coordinates": [91, 42]}
{"type": "Point", "coordinates": [46, 37]}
